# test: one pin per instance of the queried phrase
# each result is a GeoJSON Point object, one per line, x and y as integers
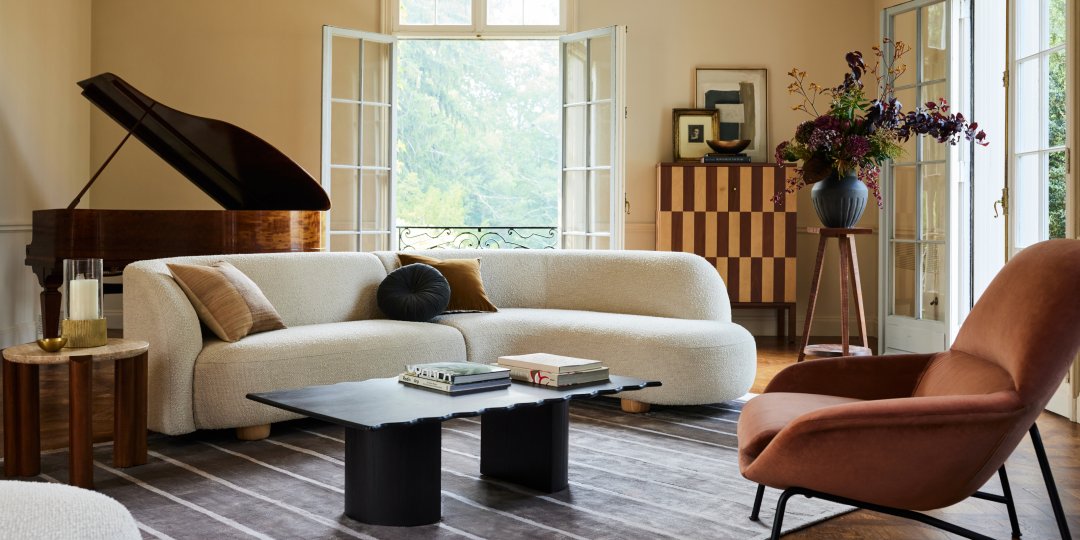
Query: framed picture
{"type": "Point", "coordinates": [741, 97]}
{"type": "Point", "coordinates": [690, 128]}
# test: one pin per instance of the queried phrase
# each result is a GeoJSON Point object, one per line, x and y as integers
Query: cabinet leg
{"type": "Point", "coordinates": [856, 285]}
{"type": "Point", "coordinates": [80, 423]}
{"type": "Point", "coordinates": [845, 332]}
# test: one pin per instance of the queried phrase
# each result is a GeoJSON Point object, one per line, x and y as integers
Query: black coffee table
{"type": "Point", "coordinates": [393, 439]}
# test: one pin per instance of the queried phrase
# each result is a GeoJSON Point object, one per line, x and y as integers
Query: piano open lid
{"type": "Point", "coordinates": [233, 166]}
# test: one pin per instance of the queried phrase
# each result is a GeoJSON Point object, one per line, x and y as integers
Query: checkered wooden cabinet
{"type": "Point", "coordinates": [724, 213]}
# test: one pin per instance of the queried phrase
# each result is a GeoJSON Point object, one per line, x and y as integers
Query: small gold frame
{"type": "Point", "coordinates": [89, 333]}
{"type": "Point", "coordinates": [685, 149]}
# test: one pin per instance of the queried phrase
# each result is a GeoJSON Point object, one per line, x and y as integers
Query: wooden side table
{"type": "Point", "coordinates": [849, 270]}
{"type": "Point", "coordinates": [22, 430]}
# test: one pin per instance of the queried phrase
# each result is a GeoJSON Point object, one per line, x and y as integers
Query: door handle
{"type": "Point", "coordinates": [996, 204]}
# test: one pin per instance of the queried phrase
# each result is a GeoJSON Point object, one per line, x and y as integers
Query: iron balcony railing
{"type": "Point", "coordinates": [477, 238]}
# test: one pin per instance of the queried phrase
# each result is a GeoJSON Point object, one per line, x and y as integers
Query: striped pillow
{"type": "Point", "coordinates": [227, 301]}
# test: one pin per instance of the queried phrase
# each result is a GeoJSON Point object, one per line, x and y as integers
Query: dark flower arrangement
{"type": "Point", "coordinates": [858, 134]}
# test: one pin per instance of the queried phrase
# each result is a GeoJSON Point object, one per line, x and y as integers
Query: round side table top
{"type": "Point", "coordinates": [115, 349]}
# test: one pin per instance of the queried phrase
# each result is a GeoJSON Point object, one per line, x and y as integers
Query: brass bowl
{"type": "Point", "coordinates": [729, 147]}
{"type": "Point", "coordinates": [52, 344]}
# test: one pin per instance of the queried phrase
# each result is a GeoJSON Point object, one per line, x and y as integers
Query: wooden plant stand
{"type": "Point", "coordinates": [849, 270]}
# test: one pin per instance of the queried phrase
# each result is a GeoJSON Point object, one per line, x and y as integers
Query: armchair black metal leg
{"type": "Point", "coordinates": [1010, 505]}
{"type": "Point", "coordinates": [781, 506]}
{"type": "Point", "coordinates": [1048, 478]}
{"type": "Point", "coordinates": [757, 502]}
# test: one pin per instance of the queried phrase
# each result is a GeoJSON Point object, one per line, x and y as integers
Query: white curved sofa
{"type": "Point", "coordinates": [662, 316]}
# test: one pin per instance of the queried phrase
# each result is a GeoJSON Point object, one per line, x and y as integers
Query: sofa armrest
{"type": "Point", "coordinates": [913, 453]}
{"type": "Point", "coordinates": [858, 377]}
{"type": "Point", "coordinates": [157, 311]}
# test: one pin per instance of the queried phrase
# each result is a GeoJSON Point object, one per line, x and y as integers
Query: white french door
{"type": "Point", "coordinates": [592, 192]}
{"type": "Point", "coordinates": [918, 226]}
{"type": "Point", "coordinates": [357, 139]}
{"type": "Point", "coordinates": [1042, 181]}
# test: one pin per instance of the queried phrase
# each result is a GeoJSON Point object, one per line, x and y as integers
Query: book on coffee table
{"type": "Point", "coordinates": [453, 389]}
{"type": "Point", "coordinates": [549, 362]}
{"type": "Point", "coordinates": [549, 378]}
{"type": "Point", "coordinates": [457, 372]}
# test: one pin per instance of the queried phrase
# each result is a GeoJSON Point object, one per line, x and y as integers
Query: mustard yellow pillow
{"type": "Point", "coordinates": [228, 302]}
{"type": "Point", "coordinates": [466, 287]}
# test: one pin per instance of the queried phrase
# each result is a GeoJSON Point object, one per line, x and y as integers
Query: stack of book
{"type": "Point", "coordinates": [725, 158]}
{"type": "Point", "coordinates": [554, 370]}
{"type": "Point", "coordinates": [456, 378]}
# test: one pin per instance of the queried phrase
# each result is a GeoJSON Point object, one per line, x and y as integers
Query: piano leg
{"type": "Point", "coordinates": [50, 308]}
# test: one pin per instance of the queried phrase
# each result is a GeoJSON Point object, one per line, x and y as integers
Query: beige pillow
{"type": "Point", "coordinates": [227, 301]}
{"type": "Point", "coordinates": [467, 292]}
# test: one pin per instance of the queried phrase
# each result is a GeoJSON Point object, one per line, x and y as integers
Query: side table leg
{"type": "Point", "coordinates": [22, 420]}
{"type": "Point", "coordinates": [815, 284]}
{"type": "Point", "coordinates": [527, 446]}
{"type": "Point", "coordinates": [129, 412]}
{"type": "Point", "coordinates": [80, 423]}
{"type": "Point", "coordinates": [393, 475]}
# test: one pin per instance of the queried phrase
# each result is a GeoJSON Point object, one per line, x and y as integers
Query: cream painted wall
{"type": "Point", "coordinates": [253, 63]}
{"type": "Point", "coordinates": [44, 136]}
{"type": "Point", "coordinates": [667, 40]}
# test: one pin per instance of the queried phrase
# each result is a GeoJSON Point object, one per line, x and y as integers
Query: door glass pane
{"type": "Point", "coordinates": [1056, 71]}
{"type": "Point", "coordinates": [935, 282]}
{"type": "Point", "coordinates": [600, 132]}
{"type": "Point", "coordinates": [376, 72]}
{"type": "Point", "coordinates": [1056, 195]}
{"type": "Point", "coordinates": [575, 81]}
{"type": "Point", "coordinates": [600, 187]}
{"type": "Point", "coordinates": [574, 132]}
{"type": "Point", "coordinates": [1027, 101]}
{"type": "Point", "coordinates": [931, 149]}
{"type": "Point", "coordinates": [344, 199]}
{"type": "Point", "coordinates": [575, 242]}
{"type": "Point", "coordinates": [600, 68]}
{"type": "Point", "coordinates": [541, 13]}
{"type": "Point", "coordinates": [344, 135]}
{"type": "Point", "coordinates": [376, 142]}
{"type": "Point", "coordinates": [908, 100]}
{"type": "Point", "coordinates": [904, 30]}
{"type": "Point", "coordinates": [1026, 200]}
{"type": "Point", "coordinates": [375, 194]}
{"type": "Point", "coordinates": [345, 75]}
{"type": "Point", "coordinates": [600, 242]}
{"type": "Point", "coordinates": [904, 202]}
{"type": "Point", "coordinates": [1028, 18]}
{"type": "Point", "coordinates": [935, 196]}
{"type": "Point", "coordinates": [344, 242]}
{"type": "Point", "coordinates": [934, 45]}
{"type": "Point", "coordinates": [575, 204]}
{"type": "Point", "coordinates": [903, 280]}
{"type": "Point", "coordinates": [1057, 23]}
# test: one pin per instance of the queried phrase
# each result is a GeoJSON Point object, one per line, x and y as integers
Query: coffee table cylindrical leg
{"type": "Point", "coordinates": [528, 446]}
{"type": "Point", "coordinates": [80, 427]}
{"type": "Point", "coordinates": [393, 475]}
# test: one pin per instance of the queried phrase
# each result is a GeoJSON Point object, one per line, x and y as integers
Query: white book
{"type": "Point", "coordinates": [550, 362]}
{"type": "Point", "coordinates": [558, 380]}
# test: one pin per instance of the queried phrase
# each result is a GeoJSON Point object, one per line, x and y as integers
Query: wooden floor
{"type": "Point", "coordinates": [1062, 439]}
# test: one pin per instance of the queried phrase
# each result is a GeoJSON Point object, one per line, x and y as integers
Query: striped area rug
{"type": "Point", "coordinates": [670, 473]}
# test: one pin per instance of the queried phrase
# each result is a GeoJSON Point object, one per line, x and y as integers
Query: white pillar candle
{"type": "Point", "coordinates": [83, 304]}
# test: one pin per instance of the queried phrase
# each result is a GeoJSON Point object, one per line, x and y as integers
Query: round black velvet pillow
{"type": "Point", "coordinates": [416, 292]}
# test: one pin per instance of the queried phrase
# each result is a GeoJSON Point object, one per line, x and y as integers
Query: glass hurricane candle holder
{"type": "Point", "coordinates": [84, 319]}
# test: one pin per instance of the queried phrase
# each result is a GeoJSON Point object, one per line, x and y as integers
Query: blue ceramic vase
{"type": "Point", "coordinates": [839, 200]}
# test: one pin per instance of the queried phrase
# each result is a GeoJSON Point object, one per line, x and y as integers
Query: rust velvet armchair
{"type": "Point", "coordinates": [908, 433]}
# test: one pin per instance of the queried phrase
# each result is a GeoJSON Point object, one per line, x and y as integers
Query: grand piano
{"type": "Point", "coordinates": [270, 203]}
